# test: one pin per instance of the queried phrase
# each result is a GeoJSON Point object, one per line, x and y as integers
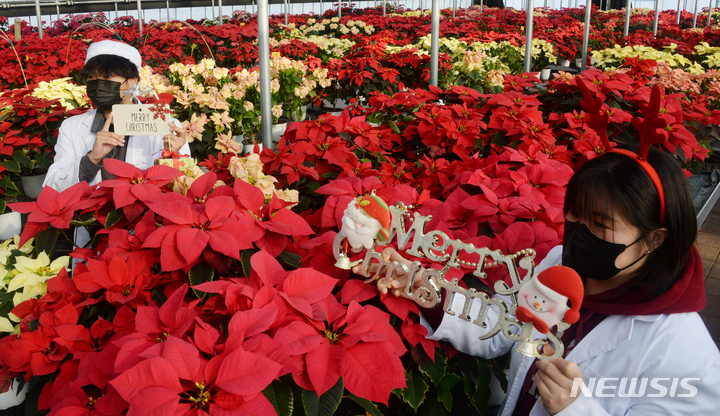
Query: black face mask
{"type": "Point", "coordinates": [103, 93]}
{"type": "Point", "coordinates": [589, 255]}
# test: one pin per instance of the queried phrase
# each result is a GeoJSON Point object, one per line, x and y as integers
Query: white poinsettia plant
{"type": "Point", "coordinates": [23, 276]}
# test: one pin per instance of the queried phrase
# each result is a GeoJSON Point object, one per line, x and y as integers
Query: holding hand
{"type": "Point", "coordinates": [176, 139]}
{"type": "Point", "coordinates": [105, 140]}
{"type": "Point", "coordinates": [396, 284]}
{"type": "Point", "coordinates": [554, 380]}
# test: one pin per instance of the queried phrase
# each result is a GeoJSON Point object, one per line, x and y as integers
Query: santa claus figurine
{"type": "Point", "coordinates": [553, 295]}
{"type": "Point", "coordinates": [365, 219]}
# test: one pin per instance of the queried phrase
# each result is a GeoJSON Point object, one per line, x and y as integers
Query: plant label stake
{"type": "Point", "coordinates": [425, 288]}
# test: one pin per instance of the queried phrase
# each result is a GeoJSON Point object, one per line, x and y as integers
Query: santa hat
{"type": "Point", "coordinates": [111, 47]}
{"type": "Point", "coordinates": [376, 208]}
{"type": "Point", "coordinates": [560, 281]}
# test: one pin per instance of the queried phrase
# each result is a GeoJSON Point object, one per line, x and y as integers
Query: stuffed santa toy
{"type": "Point", "coordinates": [365, 219]}
{"type": "Point", "coordinates": [543, 299]}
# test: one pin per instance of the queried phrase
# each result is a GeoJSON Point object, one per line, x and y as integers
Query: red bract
{"type": "Point", "coordinates": [347, 346]}
{"type": "Point", "coordinates": [270, 224]}
{"type": "Point", "coordinates": [132, 184]}
{"type": "Point", "coordinates": [122, 281]}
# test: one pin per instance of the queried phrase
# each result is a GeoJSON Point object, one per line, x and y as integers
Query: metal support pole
{"type": "Point", "coordinates": [434, 42]}
{"type": "Point", "coordinates": [18, 29]}
{"type": "Point", "coordinates": [39, 18]}
{"type": "Point", "coordinates": [454, 7]}
{"type": "Point", "coordinates": [710, 9]}
{"type": "Point", "coordinates": [529, 35]}
{"type": "Point", "coordinates": [657, 17]}
{"type": "Point", "coordinates": [339, 9]}
{"type": "Point", "coordinates": [384, 7]}
{"type": "Point", "coordinates": [482, 4]}
{"type": "Point", "coordinates": [422, 7]}
{"type": "Point", "coordinates": [627, 19]}
{"type": "Point", "coordinates": [695, 16]}
{"type": "Point", "coordinates": [140, 17]}
{"type": "Point", "coordinates": [586, 35]}
{"type": "Point", "coordinates": [264, 54]}
{"type": "Point", "coordinates": [220, 11]}
{"type": "Point", "coordinates": [57, 10]}
{"type": "Point", "coordinates": [677, 15]}
{"type": "Point", "coordinates": [116, 10]}
{"type": "Point", "coordinates": [167, 5]}
{"type": "Point", "coordinates": [285, 8]}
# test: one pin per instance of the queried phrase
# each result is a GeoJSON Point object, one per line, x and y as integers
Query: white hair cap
{"type": "Point", "coordinates": [111, 47]}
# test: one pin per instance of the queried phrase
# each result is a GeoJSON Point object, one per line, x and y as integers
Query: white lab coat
{"type": "Point", "coordinates": [75, 140]}
{"type": "Point", "coordinates": [667, 346]}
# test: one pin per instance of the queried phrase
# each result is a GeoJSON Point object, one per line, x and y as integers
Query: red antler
{"type": "Point", "coordinates": [648, 129]}
{"type": "Point", "coordinates": [596, 120]}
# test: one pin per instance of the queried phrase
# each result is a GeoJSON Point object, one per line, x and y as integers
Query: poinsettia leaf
{"type": "Point", "coordinates": [155, 401]}
{"type": "Point", "coordinates": [246, 374]}
{"type": "Point", "coordinates": [366, 404]}
{"type": "Point", "coordinates": [273, 243]}
{"type": "Point", "coordinates": [184, 357]}
{"type": "Point", "coordinates": [308, 284]}
{"type": "Point", "coordinates": [326, 404]}
{"type": "Point", "coordinates": [171, 306]}
{"type": "Point", "coordinates": [267, 268]}
{"type": "Point", "coordinates": [325, 365]}
{"type": "Point", "coordinates": [259, 405]}
{"type": "Point", "coordinates": [368, 377]}
{"type": "Point", "coordinates": [225, 243]}
{"type": "Point", "coordinates": [291, 259]}
{"type": "Point", "coordinates": [202, 185]}
{"type": "Point", "coordinates": [193, 241]}
{"type": "Point", "coordinates": [281, 397]}
{"type": "Point", "coordinates": [253, 321]}
{"type": "Point", "coordinates": [245, 261]}
{"type": "Point", "coordinates": [414, 393]}
{"type": "Point", "coordinates": [357, 290]}
{"type": "Point", "coordinates": [155, 372]}
{"type": "Point", "coordinates": [299, 337]}
{"type": "Point", "coordinates": [249, 196]}
{"type": "Point", "coordinates": [448, 381]}
{"type": "Point", "coordinates": [120, 168]}
{"type": "Point", "coordinates": [113, 217]}
{"type": "Point", "coordinates": [200, 273]}
{"type": "Point", "coordinates": [178, 211]}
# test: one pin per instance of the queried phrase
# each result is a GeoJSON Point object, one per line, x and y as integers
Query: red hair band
{"type": "Point", "coordinates": [647, 131]}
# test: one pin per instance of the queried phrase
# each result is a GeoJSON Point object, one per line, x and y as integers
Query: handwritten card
{"type": "Point", "coordinates": [141, 119]}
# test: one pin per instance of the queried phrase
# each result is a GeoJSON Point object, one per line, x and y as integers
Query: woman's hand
{"type": "Point", "coordinates": [105, 140]}
{"type": "Point", "coordinates": [393, 284]}
{"type": "Point", "coordinates": [176, 139]}
{"type": "Point", "coordinates": [554, 381]}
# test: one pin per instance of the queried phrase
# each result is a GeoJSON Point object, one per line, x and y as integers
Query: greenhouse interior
{"type": "Point", "coordinates": [424, 207]}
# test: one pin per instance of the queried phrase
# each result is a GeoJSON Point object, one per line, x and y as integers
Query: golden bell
{"type": "Point", "coordinates": [344, 262]}
{"type": "Point", "coordinates": [528, 348]}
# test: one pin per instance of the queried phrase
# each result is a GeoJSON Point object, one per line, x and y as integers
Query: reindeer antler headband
{"type": "Point", "coordinates": [647, 130]}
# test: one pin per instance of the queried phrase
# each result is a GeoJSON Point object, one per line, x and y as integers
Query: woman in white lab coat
{"type": "Point", "coordinates": [640, 346]}
{"type": "Point", "coordinates": [111, 68]}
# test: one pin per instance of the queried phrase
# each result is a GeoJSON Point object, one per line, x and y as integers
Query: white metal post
{"type": "Point", "coordinates": [677, 15]}
{"type": "Point", "coordinates": [627, 19]}
{"type": "Point", "coordinates": [710, 9]}
{"type": "Point", "coordinates": [657, 17]}
{"type": "Point", "coordinates": [167, 4]}
{"type": "Point", "coordinates": [454, 7]}
{"type": "Point", "coordinates": [220, 11]}
{"type": "Point", "coordinates": [434, 42]}
{"type": "Point", "coordinates": [264, 55]}
{"type": "Point", "coordinates": [529, 35]}
{"type": "Point", "coordinates": [285, 5]}
{"type": "Point", "coordinates": [695, 16]}
{"type": "Point", "coordinates": [586, 35]}
{"type": "Point", "coordinates": [140, 17]}
{"type": "Point", "coordinates": [39, 18]}
{"type": "Point", "coordinates": [384, 7]}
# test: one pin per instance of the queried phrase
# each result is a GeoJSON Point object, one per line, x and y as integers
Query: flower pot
{"type": "Point", "coordinates": [10, 225]}
{"type": "Point", "coordinates": [299, 114]}
{"type": "Point", "coordinates": [545, 74]}
{"type": "Point", "coordinates": [278, 130]}
{"type": "Point", "coordinates": [33, 185]}
{"type": "Point", "coordinates": [578, 62]}
{"type": "Point", "coordinates": [14, 396]}
{"type": "Point", "coordinates": [338, 104]}
{"type": "Point", "coordinates": [250, 148]}
{"type": "Point", "coordinates": [565, 63]}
